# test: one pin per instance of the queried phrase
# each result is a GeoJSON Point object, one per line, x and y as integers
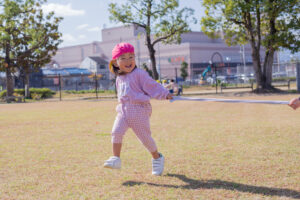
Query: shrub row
{"type": "Point", "coordinates": [36, 93]}
{"type": "Point", "coordinates": [88, 91]}
{"type": "Point", "coordinates": [279, 79]}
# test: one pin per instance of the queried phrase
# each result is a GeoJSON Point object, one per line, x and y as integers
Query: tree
{"type": "Point", "coordinates": [28, 39]}
{"type": "Point", "coordinates": [159, 18]}
{"type": "Point", "coordinates": [268, 24]}
{"type": "Point", "coordinates": [145, 67]}
{"type": "Point", "coordinates": [183, 70]}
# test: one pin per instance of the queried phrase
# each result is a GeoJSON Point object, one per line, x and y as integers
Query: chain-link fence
{"type": "Point", "coordinates": [225, 73]}
{"type": "Point", "coordinates": [87, 85]}
{"type": "Point", "coordinates": [74, 82]}
{"type": "Point", "coordinates": [2, 81]}
{"type": "Point", "coordinates": [202, 75]}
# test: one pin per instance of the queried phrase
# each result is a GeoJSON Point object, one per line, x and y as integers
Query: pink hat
{"type": "Point", "coordinates": [120, 49]}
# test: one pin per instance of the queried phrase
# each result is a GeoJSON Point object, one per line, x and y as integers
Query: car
{"type": "Point", "coordinates": [222, 79]}
{"type": "Point", "coordinates": [242, 78]}
{"type": "Point", "coordinates": [212, 80]}
{"type": "Point", "coordinates": [279, 74]}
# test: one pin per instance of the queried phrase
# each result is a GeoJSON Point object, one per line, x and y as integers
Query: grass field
{"type": "Point", "coordinates": [55, 150]}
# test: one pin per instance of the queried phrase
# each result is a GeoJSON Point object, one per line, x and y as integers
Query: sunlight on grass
{"type": "Point", "coordinates": [55, 150]}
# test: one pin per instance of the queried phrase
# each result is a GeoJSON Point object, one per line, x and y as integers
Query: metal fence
{"type": "Point", "coordinates": [83, 86]}
{"type": "Point", "coordinates": [224, 73]}
{"type": "Point", "coordinates": [65, 82]}
{"type": "Point", "coordinates": [74, 82]}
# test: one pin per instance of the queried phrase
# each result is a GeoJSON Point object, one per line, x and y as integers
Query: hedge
{"type": "Point", "coordinates": [88, 91]}
{"type": "Point", "coordinates": [36, 93]}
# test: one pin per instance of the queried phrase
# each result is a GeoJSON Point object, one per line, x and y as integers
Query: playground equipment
{"type": "Point", "coordinates": [208, 69]}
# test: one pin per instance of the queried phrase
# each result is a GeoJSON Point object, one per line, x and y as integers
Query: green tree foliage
{"type": "Point", "coordinates": [28, 38]}
{"type": "Point", "coordinates": [183, 70]}
{"type": "Point", "coordinates": [266, 24]}
{"type": "Point", "coordinates": [145, 67]}
{"type": "Point", "coordinates": [159, 18]}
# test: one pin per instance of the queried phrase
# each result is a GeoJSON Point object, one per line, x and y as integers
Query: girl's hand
{"type": "Point", "coordinates": [295, 103]}
{"type": "Point", "coordinates": [170, 96]}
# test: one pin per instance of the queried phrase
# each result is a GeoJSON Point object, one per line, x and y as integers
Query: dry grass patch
{"type": "Point", "coordinates": [55, 150]}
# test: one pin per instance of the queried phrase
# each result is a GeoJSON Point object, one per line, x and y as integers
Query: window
{"type": "Point", "coordinates": [102, 66]}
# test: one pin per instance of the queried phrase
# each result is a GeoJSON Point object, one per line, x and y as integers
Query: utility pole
{"type": "Point", "coordinates": [159, 70]}
{"type": "Point", "coordinates": [298, 76]}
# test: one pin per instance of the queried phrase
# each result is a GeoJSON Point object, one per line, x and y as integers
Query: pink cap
{"type": "Point", "coordinates": [120, 49]}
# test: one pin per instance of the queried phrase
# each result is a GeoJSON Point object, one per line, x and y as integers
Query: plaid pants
{"type": "Point", "coordinates": [136, 117]}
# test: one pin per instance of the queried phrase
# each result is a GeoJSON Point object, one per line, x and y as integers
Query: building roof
{"type": "Point", "coordinates": [97, 59]}
{"type": "Point", "coordinates": [66, 71]}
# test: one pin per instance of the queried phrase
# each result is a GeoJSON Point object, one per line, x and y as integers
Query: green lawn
{"type": "Point", "coordinates": [55, 150]}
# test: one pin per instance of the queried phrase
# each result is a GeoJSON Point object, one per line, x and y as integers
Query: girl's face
{"type": "Point", "coordinates": [126, 62]}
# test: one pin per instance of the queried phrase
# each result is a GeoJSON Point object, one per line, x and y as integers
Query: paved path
{"type": "Point", "coordinates": [212, 92]}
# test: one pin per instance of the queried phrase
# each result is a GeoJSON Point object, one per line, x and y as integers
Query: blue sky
{"type": "Point", "coordinates": [84, 19]}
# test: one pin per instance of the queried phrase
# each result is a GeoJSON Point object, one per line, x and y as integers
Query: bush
{"type": "Point", "coordinates": [88, 91]}
{"type": "Point", "coordinates": [43, 92]}
{"type": "Point", "coordinates": [282, 79]}
{"type": "Point", "coordinates": [185, 86]}
{"type": "Point", "coordinates": [36, 93]}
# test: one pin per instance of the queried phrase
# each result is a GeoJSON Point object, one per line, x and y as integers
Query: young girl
{"type": "Point", "coordinates": [135, 88]}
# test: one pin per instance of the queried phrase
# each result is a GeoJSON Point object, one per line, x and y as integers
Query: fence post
{"type": "Point", "coordinates": [215, 68]}
{"type": "Point", "coordinates": [298, 76]}
{"type": "Point", "coordinates": [96, 85]}
{"type": "Point", "coordinates": [59, 80]}
{"type": "Point", "coordinates": [289, 82]}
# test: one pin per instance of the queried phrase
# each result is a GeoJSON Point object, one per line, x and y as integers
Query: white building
{"type": "Point", "coordinates": [196, 49]}
{"type": "Point", "coordinates": [96, 65]}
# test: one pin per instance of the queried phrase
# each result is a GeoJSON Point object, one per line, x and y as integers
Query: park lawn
{"type": "Point", "coordinates": [55, 150]}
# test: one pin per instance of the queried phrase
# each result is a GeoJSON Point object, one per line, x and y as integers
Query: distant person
{"type": "Point", "coordinates": [135, 88]}
{"type": "Point", "coordinates": [174, 88]}
{"type": "Point", "coordinates": [295, 103]}
{"type": "Point", "coordinates": [179, 91]}
{"type": "Point", "coordinates": [164, 83]}
{"type": "Point", "coordinates": [171, 86]}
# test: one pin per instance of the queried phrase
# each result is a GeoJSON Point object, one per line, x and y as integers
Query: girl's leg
{"type": "Point", "coordinates": [142, 131]}
{"type": "Point", "coordinates": [117, 149]}
{"type": "Point", "coordinates": [141, 127]}
{"type": "Point", "coordinates": [119, 128]}
{"type": "Point", "coordinates": [139, 121]}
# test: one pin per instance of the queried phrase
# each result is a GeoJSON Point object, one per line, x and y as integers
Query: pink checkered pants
{"type": "Point", "coordinates": [136, 117]}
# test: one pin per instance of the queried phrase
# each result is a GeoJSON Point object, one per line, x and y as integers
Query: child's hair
{"type": "Point", "coordinates": [115, 70]}
{"type": "Point", "coordinates": [117, 51]}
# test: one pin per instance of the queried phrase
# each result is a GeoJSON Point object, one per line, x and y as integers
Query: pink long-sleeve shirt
{"type": "Point", "coordinates": [138, 87]}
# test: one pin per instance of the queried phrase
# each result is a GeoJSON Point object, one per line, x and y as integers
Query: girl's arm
{"type": "Point", "coordinates": [295, 103]}
{"type": "Point", "coordinates": [152, 88]}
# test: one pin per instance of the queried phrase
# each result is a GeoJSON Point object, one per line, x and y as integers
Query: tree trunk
{"type": "Point", "coordinates": [9, 84]}
{"type": "Point", "coordinates": [269, 55]}
{"type": "Point", "coordinates": [152, 57]}
{"type": "Point", "coordinates": [153, 62]}
{"type": "Point", "coordinates": [9, 77]}
{"type": "Point", "coordinates": [27, 93]}
{"type": "Point", "coordinates": [263, 74]}
{"type": "Point", "coordinates": [257, 66]}
{"type": "Point", "coordinates": [268, 67]}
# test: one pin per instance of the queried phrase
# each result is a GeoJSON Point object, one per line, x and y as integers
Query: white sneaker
{"type": "Point", "coordinates": [113, 162]}
{"type": "Point", "coordinates": [158, 165]}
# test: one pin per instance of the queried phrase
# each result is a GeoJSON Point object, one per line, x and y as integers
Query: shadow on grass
{"type": "Point", "coordinates": [219, 184]}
